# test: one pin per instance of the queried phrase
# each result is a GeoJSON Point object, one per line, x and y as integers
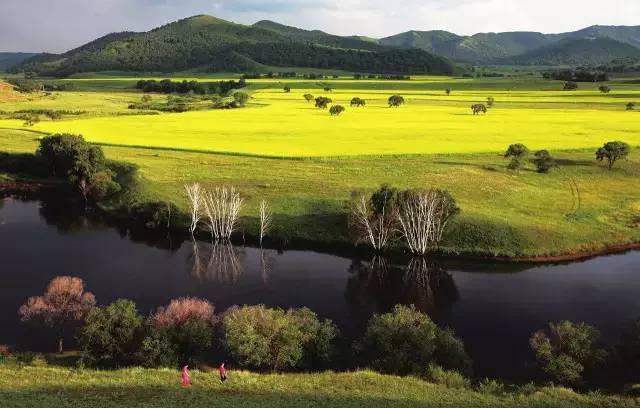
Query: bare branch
{"type": "Point", "coordinates": [266, 217]}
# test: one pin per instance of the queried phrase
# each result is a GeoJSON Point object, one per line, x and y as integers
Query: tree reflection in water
{"type": "Point", "coordinates": [378, 285]}
{"type": "Point", "coordinates": [266, 265]}
{"type": "Point", "coordinates": [216, 262]}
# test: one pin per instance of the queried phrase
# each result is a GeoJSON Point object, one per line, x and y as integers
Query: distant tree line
{"type": "Point", "coordinates": [386, 77]}
{"type": "Point", "coordinates": [578, 75]}
{"type": "Point", "coordinates": [168, 86]}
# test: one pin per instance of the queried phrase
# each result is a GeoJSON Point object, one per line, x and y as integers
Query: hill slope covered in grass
{"type": "Point", "coordinates": [62, 387]}
{"type": "Point", "coordinates": [209, 44]}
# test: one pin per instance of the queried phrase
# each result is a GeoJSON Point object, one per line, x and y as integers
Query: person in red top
{"type": "Point", "coordinates": [186, 378]}
{"type": "Point", "coordinates": [223, 373]}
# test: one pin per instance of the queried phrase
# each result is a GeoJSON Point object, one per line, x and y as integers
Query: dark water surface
{"type": "Point", "coordinates": [494, 308]}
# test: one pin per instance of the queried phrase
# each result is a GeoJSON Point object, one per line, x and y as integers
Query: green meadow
{"type": "Point", "coordinates": [307, 163]}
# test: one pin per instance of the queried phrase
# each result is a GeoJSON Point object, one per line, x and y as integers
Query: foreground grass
{"type": "Point", "coordinates": [61, 387]}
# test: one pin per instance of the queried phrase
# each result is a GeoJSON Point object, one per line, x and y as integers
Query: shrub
{"type": "Point", "coordinates": [259, 337]}
{"type": "Point", "coordinates": [188, 325]}
{"type": "Point", "coordinates": [491, 387]}
{"type": "Point", "coordinates": [543, 161]}
{"type": "Point", "coordinates": [112, 335]}
{"type": "Point", "coordinates": [406, 341]}
{"type": "Point", "coordinates": [566, 350]}
{"type": "Point", "coordinates": [448, 378]}
{"type": "Point", "coordinates": [612, 152]}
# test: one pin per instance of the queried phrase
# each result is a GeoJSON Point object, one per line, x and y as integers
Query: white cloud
{"type": "Point", "coordinates": [57, 25]}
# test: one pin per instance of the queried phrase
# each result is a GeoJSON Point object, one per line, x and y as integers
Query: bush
{"type": "Point", "coordinates": [543, 161]}
{"type": "Point", "coordinates": [518, 153]}
{"type": "Point", "coordinates": [491, 387]}
{"type": "Point", "coordinates": [259, 337]}
{"type": "Point", "coordinates": [566, 350]}
{"type": "Point", "coordinates": [187, 324]}
{"type": "Point", "coordinates": [406, 341]}
{"type": "Point", "coordinates": [450, 379]}
{"type": "Point", "coordinates": [112, 335]}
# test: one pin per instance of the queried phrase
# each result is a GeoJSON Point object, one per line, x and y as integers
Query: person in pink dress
{"type": "Point", "coordinates": [186, 378]}
{"type": "Point", "coordinates": [223, 373]}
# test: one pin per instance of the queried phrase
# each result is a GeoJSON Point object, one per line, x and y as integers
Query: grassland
{"type": "Point", "coordinates": [307, 163]}
{"type": "Point", "coordinates": [61, 387]}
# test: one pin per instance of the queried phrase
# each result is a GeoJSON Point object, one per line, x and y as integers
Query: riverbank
{"type": "Point", "coordinates": [44, 387]}
{"type": "Point", "coordinates": [506, 216]}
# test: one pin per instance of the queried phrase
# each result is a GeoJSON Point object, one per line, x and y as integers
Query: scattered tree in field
{"type": "Point", "coordinates": [543, 161]}
{"type": "Point", "coordinates": [406, 342]}
{"type": "Point", "coordinates": [308, 97]}
{"type": "Point", "coordinates": [222, 207]}
{"type": "Point", "coordinates": [266, 218]}
{"type": "Point", "coordinates": [612, 152]}
{"type": "Point", "coordinates": [478, 108]}
{"type": "Point", "coordinates": [518, 154]}
{"type": "Point", "coordinates": [396, 101]}
{"type": "Point", "coordinates": [240, 98]}
{"type": "Point", "coordinates": [112, 335]}
{"type": "Point", "coordinates": [31, 120]}
{"type": "Point", "coordinates": [146, 98]}
{"type": "Point", "coordinates": [604, 89]}
{"type": "Point", "coordinates": [336, 110]}
{"type": "Point", "coordinates": [64, 304]}
{"type": "Point", "coordinates": [187, 323]}
{"type": "Point", "coordinates": [287, 89]}
{"type": "Point", "coordinates": [374, 219]}
{"type": "Point", "coordinates": [322, 102]}
{"type": "Point", "coordinates": [570, 86]}
{"type": "Point", "coordinates": [328, 89]}
{"type": "Point", "coordinates": [259, 337]}
{"type": "Point", "coordinates": [447, 91]}
{"type": "Point", "coordinates": [490, 102]}
{"type": "Point", "coordinates": [357, 102]}
{"type": "Point", "coordinates": [195, 196]}
{"type": "Point", "coordinates": [631, 106]}
{"type": "Point", "coordinates": [423, 217]}
{"type": "Point", "coordinates": [566, 350]}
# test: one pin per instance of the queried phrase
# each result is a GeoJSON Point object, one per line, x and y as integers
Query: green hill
{"type": "Point", "coordinates": [576, 52]}
{"type": "Point", "coordinates": [209, 44]}
{"type": "Point", "coordinates": [9, 59]}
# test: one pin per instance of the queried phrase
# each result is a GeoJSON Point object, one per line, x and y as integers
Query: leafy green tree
{"type": "Point", "coordinates": [146, 98]}
{"type": "Point", "coordinates": [566, 350]}
{"type": "Point", "coordinates": [604, 89]}
{"type": "Point", "coordinates": [396, 101]}
{"type": "Point", "coordinates": [406, 342]}
{"type": "Point", "coordinates": [336, 110]}
{"type": "Point", "coordinates": [543, 161]}
{"type": "Point", "coordinates": [241, 98]}
{"type": "Point", "coordinates": [612, 152]}
{"type": "Point", "coordinates": [112, 335]}
{"type": "Point", "coordinates": [518, 154]}
{"type": "Point", "coordinates": [308, 97]}
{"type": "Point", "coordinates": [322, 102]}
{"type": "Point", "coordinates": [287, 89]}
{"type": "Point", "coordinates": [259, 337]}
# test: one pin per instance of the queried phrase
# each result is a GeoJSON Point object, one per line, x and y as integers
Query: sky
{"type": "Point", "coordinates": [59, 25]}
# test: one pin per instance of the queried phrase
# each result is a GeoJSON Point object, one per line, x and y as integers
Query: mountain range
{"type": "Point", "coordinates": [206, 43]}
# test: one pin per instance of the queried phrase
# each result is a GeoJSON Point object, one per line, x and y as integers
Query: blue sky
{"type": "Point", "coordinates": [58, 25]}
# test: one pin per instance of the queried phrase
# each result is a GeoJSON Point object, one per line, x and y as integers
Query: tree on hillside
{"type": "Point", "coordinates": [543, 161]}
{"type": "Point", "coordinates": [396, 101]}
{"type": "Point", "coordinates": [566, 350]}
{"type": "Point", "coordinates": [336, 110]}
{"type": "Point", "coordinates": [518, 153]}
{"type": "Point", "coordinates": [322, 102]}
{"type": "Point", "coordinates": [308, 97]}
{"type": "Point", "coordinates": [612, 152]}
{"type": "Point", "coordinates": [604, 89]}
{"type": "Point", "coordinates": [287, 89]}
{"type": "Point", "coordinates": [63, 305]}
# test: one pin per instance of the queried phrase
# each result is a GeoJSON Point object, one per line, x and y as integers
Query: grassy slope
{"type": "Point", "coordinates": [61, 387]}
{"type": "Point", "coordinates": [502, 213]}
